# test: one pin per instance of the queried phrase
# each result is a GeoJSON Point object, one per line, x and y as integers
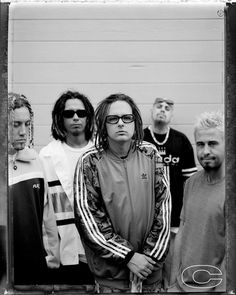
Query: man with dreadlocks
{"type": "Point", "coordinates": [72, 131]}
{"type": "Point", "coordinates": [123, 202]}
{"type": "Point", "coordinates": [31, 209]}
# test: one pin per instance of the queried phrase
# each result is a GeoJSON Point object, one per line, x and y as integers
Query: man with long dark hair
{"type": "Point", "coordinates": [72, 132]}
{"type": "Point", "coordinates": [122, 202]}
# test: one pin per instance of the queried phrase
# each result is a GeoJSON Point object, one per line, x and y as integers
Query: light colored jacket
{"type": "Point", "coordinates": [60, 191]}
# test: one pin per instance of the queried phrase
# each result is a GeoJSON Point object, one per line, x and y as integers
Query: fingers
{"type": "Point", "coordinates": [137, 277]}
{"type": "Point", "coordinates": [150, 267]}
{"type": "Point", "coordinates": [155, 268]}
{"type": "Point", "coordinates": [141, 276]}
{"type": "Point", "coordinates": [146, 271]}
{"type": "Point", "coordinates": [145, 274]}
{"type": "Point", "coordinates": [141, 265]}
{"type": "Point", "coordinates": [150, 260]}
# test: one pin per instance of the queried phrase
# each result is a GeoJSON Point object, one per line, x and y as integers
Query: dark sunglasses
{"type": "Point", "coordinates": [168, 101]}
{"type": "Point", "coordinates": [114, 119]}
{"type": "Point", "coordinates": [70, 113]}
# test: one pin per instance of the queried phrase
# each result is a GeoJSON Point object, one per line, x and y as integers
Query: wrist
{"type": "Point", "coordinates": [153, 258]}
{"type": "Point", "coordinates": [129, 256]}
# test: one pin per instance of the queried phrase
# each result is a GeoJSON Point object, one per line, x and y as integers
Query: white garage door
{"type": "Point", "coordinates": [143, 50]}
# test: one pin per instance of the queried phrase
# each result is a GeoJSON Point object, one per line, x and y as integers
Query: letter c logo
{"type": "Point", "coordinates": [203, 276]}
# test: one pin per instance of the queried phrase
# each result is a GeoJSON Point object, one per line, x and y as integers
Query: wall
{"type": "Point", "coordinates": [143, 50]}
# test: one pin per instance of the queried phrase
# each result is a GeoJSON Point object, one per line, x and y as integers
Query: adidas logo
{"type": "Point", "coordinates": [144, 176]}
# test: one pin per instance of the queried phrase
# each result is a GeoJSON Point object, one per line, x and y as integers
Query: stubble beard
{"type": "Point", "coordinates": [159, 123]}
{"type": "Point", "coordinates": [209, 168]}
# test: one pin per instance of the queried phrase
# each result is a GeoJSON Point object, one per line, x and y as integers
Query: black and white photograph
{"type": "Point", "coordinates": [118, 147]}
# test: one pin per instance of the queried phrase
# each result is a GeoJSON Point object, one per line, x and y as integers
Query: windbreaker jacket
{"type": "Point", "coordinates": [60, 190]}
{"type": "Point", "coordinates": [122, 206]}
{"type": "Point", "coordinates": [32, 215]}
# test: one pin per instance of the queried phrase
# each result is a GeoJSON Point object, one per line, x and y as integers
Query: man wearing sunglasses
{"type": "Point", "coordinates": [122, 202]}
{"type": "Point", "coordinates": [176, 154]}
{"type": "Point", "coordinates": [72, 131]}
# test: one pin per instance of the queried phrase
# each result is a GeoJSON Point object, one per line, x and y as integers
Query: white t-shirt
{"type": "Point", "coordinates": [73, 154]}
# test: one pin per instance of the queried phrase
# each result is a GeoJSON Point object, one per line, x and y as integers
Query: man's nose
{"type": "Point", "coordinates": [120, 122]}
{"type": "Point", "coordinates": [23, 129]}
{"type": "Point", "coordinates": [206, 149]}
{"type": "Point", "coordinates": [75, 117]}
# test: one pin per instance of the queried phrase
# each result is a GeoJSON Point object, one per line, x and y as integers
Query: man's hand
{"type": "Point", "coordinates": [141, 265]}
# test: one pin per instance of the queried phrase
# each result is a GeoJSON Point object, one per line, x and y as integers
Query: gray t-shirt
{"type": "Point", "coordinates": [203, 235]}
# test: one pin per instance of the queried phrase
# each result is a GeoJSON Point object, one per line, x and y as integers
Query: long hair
{"type": "Point", "coordinates": [57, 128]}
{"type": "Point", "coordinates": [16, 101]}
{"type": "Point", "coordinates": [100, 119]}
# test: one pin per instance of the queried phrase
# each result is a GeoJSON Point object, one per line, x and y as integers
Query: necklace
{"type": "Point", "coordinates": [14, 165]}
{"type": "Point", "coordinates": [154, 138]}
{"type": "Point", "coordinates": [13, 159]}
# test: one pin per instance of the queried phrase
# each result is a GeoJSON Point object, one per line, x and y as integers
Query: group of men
{"type": "Point", "coordinates": [113, 208]}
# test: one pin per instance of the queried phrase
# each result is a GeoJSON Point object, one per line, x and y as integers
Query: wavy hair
{"type": "Point", "coordinates": [57, 128]}
{"type": "Point", "coordinates": [16, 101]}
{"type": "Point", "coordinates": [101, 112]}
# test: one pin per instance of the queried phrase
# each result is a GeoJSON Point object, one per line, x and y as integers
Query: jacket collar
{"type": "Point", "coordinates": [114, 156]}
{"type": "Point", "coordinates": [61, 165]}
{"type": "Point", "coordinates": [26, 155]}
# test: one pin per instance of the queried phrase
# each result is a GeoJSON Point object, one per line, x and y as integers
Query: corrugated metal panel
{"type": "Point", "coordinates": [172, 50]}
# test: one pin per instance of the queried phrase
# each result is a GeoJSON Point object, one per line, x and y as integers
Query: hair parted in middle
{"type": "Point", "coordinates": [16, 101]}
{"type": "Point", "coordinates": [101, 112]}
{"type": "Point", "coordinates": [57, 127]}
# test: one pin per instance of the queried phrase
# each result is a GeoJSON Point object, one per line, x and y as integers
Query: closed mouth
{"type": "Point", "coordinates": [76, 125]}
{"type": "Point", "coordinates": [121, 132]}
{"type": "Point", "coordinates": [207, 159]}
{"type": "Point", "coordinates": [21, 140]}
